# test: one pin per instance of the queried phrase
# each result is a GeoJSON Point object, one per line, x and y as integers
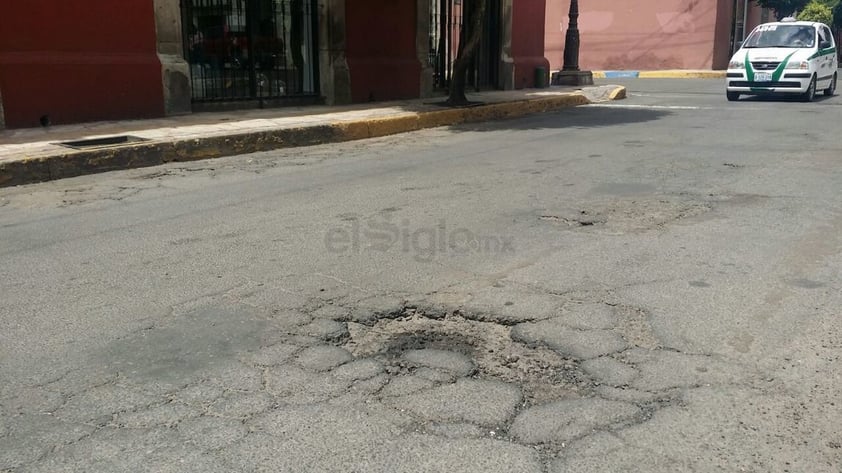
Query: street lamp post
{"type": "Point", "coordinates": [570, 73]}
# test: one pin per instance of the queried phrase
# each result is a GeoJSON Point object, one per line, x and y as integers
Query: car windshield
{"type": "Point", "coordinates": [781, 36]}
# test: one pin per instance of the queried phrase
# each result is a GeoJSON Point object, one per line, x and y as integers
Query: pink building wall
{"type": "Point", "coordinates": [646, 34]}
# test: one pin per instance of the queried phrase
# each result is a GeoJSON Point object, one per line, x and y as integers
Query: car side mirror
{"type": "Point", "coordinates": [824, 45]}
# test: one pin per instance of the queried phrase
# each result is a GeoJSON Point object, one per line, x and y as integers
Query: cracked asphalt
{"type": "Point", "coordinates": [649, 285]}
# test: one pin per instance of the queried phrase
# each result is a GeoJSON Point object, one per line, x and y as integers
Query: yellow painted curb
{"type": "Point", "coordinates": [371, 128]}
{"type": "Point", "coordinates": [682, 74]}
{"type": "Point", "coordinates": [617, 94]}
{"type": "Point", "coordinates": [438, 118]}
{"type": "Point", "coordinates": [392, 125]}
{"type": "Point", "coordinates": [350, 131]}
{"type": "Point", "coordinates": [665, 74]}
{"type": "Point", "coordinates": [88, 162]}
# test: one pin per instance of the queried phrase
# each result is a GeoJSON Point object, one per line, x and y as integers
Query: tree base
{"type": "Point", "coordinates": [449, 104]}
{"type": "Point", "coordinates": [575, 78]}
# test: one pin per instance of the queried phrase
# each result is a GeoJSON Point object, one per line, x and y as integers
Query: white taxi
{"type": "Point", "coordinates": [786, 57]}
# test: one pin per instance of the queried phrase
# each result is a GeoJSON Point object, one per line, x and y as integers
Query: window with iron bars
{"type": "Point", "coordinates": [251, 49]}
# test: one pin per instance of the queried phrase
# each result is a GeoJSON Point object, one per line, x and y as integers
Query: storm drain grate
{"type": "Point", "coordinates": [104, 142]}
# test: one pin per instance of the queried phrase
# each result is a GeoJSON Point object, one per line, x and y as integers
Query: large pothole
{"type": "Point", "coordinates": [543, 374]}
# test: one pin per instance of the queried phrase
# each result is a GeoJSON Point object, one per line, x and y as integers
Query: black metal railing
{"type": "Point", "coordinates": [486, 70]}
{"type": "Point", "coordinates": [251, 49]}
{"type": "Point", "coordinates": [446, 28]}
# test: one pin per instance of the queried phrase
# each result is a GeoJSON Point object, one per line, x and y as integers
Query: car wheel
{"type": "Point", "coordinates": [810, 94]}
{"type": "Point", "coordinates": [732, 96]}
{"type": "Point", "coordinates": [831, 91]}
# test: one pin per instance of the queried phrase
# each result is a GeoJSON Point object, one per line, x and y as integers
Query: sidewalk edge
{"type": "Point", "coordinates": [666, 74]}
{"type": "Point", "coordinates": [76, 163]}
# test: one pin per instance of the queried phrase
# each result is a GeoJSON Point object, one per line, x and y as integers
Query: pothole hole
{"type": "Point", "coordinates": [543, 374]}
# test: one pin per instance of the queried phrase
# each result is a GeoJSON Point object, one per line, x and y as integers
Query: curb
{"type": "Point", "coordinates": [76, 163]}
{"type": "Point", "coordinates": [671, 74]}
{"type": "Point", "coordinates": [617, 94]}
{"type": "Point", "coordinates": [616, 74]}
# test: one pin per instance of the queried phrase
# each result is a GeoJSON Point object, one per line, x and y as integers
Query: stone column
{"type": "Point", "coordinates": [175, 72]}
{"type": "Point", "coordinates": [522, 26]}
{"type": "Point", "coordinates": [423, 47]}
{"type": "Point", "coordinates": [334, 75]}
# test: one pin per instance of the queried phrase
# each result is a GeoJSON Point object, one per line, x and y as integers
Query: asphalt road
{"type": "Point", "coordinates": [648, 285]}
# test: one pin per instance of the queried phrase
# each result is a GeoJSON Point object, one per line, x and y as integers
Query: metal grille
{"type": "Point", "coordinates": [251, 49]}
{"type": "Point", "coordinates": [765, 65]}
{"type": "Point", "coordinates": [445, 29]}
{"type": "Point", "coordinates": [766, 85]}
{"type": "Point", "coordinates": [485, 73]}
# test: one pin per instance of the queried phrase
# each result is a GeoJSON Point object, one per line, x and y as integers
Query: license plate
{"type": "Point", "coordinates": [762, 76]}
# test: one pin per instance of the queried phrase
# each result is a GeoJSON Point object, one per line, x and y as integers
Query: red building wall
{"type": "Point", "coordinates": [79, 60]}
{"type": "Point", "coordinates": [381, 49]}
{"type": "Point", "coordinates": [528, 41]}
{"type": "Point", "coordinates": [641, 35]}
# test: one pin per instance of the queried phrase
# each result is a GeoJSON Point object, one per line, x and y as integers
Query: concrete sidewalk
{"type": "Point", "coordinates": [35, 155]}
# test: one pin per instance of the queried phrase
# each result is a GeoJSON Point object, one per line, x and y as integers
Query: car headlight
{"type": "Point", "coordinates": [802, 65]}
{"type": "Point", "coordinates": [736, 65]}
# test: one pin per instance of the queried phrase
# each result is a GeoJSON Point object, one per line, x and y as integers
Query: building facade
{"type": "Point", "coordinates": [653, 34]}
{"type": "Point", "coordinates": [59, 62]}
{"type": "Point", "coordinates": [90, 60]}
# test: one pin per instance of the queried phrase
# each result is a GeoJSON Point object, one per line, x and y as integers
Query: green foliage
{"type": "Point", "coordinates": [783, 8]}
{"type": "Point", "coordinates": [816, 11]}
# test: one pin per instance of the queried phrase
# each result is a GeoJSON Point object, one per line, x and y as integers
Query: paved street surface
{"type": "Point", "coordinates": [650, 285]}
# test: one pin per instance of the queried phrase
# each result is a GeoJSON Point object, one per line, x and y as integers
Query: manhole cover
{"type": "Point", "coordinates": [104, 142]}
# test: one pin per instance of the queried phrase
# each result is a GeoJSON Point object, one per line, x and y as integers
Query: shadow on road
{"type": "Point", "coordinates": [579, 117]}
{"type": "Point", "coordinates": [782, 98]}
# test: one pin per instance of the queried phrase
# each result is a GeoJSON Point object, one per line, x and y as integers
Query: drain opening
{"type": "Point", "coordinates": [104, 142]}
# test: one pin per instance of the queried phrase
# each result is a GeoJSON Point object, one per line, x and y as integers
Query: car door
{"type": "Point", "coordinates": [833, 61]}
{"type": "Point", "coordinates": [825, 61]}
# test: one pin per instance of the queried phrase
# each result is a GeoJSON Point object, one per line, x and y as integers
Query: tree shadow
{"type": "Point", "coordinates": [583, 117]}
{"type": "Point", "coordinates": [468, 104]}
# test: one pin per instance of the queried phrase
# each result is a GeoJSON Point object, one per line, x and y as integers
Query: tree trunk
{"type": "Point", "coordinates": [468, 47]}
